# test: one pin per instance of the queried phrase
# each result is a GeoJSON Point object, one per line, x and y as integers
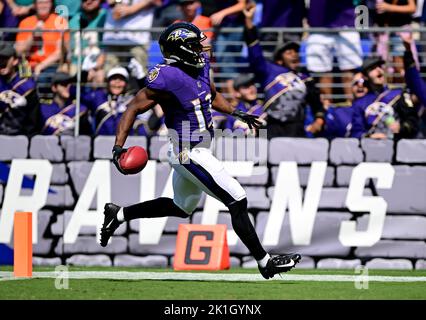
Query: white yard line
{"type": "Point", "coordinates": [124, 275]}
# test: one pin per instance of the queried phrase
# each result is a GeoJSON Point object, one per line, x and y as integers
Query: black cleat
{"type": "Point", "coordinates": [111, 223]}
{"type": "Point", "coordinates": [280, 263]}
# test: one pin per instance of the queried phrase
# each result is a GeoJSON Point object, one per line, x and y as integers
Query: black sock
{"type": "Point", "coordinates": [244, 228]}
{"type": "Point", "coordinates": [160, 207]}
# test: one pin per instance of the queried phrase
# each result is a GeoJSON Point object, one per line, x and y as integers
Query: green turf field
{"type": "Point", "coordinates": [215, 290]}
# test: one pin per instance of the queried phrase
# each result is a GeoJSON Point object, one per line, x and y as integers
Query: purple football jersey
{"type": "Point", "coordinates": [188, 111]}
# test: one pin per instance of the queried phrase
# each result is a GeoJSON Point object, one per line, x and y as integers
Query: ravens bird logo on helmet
{"type": "Point", "coordinates": [181, 43]}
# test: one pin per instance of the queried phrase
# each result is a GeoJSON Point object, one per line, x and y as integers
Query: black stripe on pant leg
{"type": "Point", "coordinates": [207, 180]}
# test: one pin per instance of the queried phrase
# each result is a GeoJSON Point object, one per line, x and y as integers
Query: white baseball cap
{"type": "Point", "coordinates": [118, 71]}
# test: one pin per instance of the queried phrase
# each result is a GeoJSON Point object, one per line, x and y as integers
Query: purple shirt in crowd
{"type": "Point", "coordinates": [7, 19]}
{"type": "Point", "coordinates": [283, 13]}
{"type": "Point", "coordinates": [331, 13]}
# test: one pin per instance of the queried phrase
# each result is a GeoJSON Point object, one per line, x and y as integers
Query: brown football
{"type": "Point", "coordinates": [134, 160]}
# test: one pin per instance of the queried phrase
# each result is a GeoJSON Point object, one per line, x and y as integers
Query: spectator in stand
{"type": "Point", "coordinates": [229, 15]}
{"type": "Point", "coordinates": [128, 15]}
{"type": "Point", "coordinates": [19, 106]}
{"type": "Point", "coordinates": [167, 13]}
{"type": "Point", "coordinates": [246, 93]}
{"type": "Point", "coordinates": [68, 8]}
{"type": "Point", "coordinates": [287, 91]}
{"type": "Point", "coordinates": [191, 13]}
{"type": "Point", "coordinates": [88, 44]}
{"type": "Point", "coordinates": [423, 34]}
{"type": "Point", "coordinates": [415, 83]}
{"type": "Point", "coordinates": [58, 116]}
{"type": "Point", "coordinates": [323, 47]}
{"type": "Point", "coordinates": [282, 14]}
{"type": "Point", "coordinates": [338, 118]}
{"type": "Point", "coordinates": [45, 50]}
{"type": "Point", "coordinates": [383, 113]}
{"type": "Point", "coordinates": [108, 105]}
{"type": "Point", "coordinates": [21, 8]}
{"type": "Point", "coordinates": [395, 13]}
{"type": "Point", "coordinates": [7, 20]}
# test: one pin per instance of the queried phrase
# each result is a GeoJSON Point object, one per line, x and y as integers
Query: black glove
{"type": "Point", "coordinates": [117, 151]}
{"type": "Point", "coordinates": [250, 119]}
{"type": "Point", "coordinates": [408, 59]}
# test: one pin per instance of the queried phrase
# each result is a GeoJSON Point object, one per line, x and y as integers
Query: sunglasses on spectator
{"type": "Point", "coordinates": [358, 82]}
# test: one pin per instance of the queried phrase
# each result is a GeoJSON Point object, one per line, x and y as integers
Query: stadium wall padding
{"type": "Point", "coordinates": [402, 243]}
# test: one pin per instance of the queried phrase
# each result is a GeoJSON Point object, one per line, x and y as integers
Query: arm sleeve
{"type": "Point", "coordinates": [85, 126]}
{"type": "Point", "coordinates": [413, 79]}
{"type": "Point", "coordinates": [313, 99]}
{"type": "Point", "coordinates": [34, 125]}
{"type": "Point", "coordinates": [257, 61]}
{"type": "Point", "coordinates": [409, 121]}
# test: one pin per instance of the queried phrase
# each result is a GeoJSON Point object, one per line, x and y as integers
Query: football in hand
{"type": "Point", "coordinates": [134, 160]}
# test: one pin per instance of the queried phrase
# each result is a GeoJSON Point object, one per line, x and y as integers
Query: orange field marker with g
{"type": "Point", "coordinates": [23, 244]}
{"type": "Point", "coordinates": [201, 247]}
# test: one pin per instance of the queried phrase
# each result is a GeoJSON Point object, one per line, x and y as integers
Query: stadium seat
{"type": "Point", "coordinates": [79, 171]}
{"type": "Point", "coordinates": [377, 150]}
{"type": "Point", "coordinates": [256, 198]}
{"type": "Point", "coordinates": [97, 260]}
{"type": "Point", "coordinates": [304, 173]}
{"type": "Point", "coordinates": [411, 151]}
{"type": "Point", "coordinates": [162, 174]}
{"type": "Point", "coordinates": [59, 174]}
{"type": "Point", "coordinates": [306, 263]}
{"type": "Point", "coordinates": [345, 151]}
{"type": "Point", "coordinates": [238, 149]}
{"type": "Point", "coordinates": [420, 264]}
{"type": "Point", "coordinates": [399, 227]}
{"type": "Point", "coordinates": [89, 245]}
{"type": "Point", "coordinates": [407, 194]}
{"type": "Point", "coordinates": [166, 246]}
{"type": "Point", "coordinates": [125, 189]}
{"type": "Point", "coordinates": [158, 146]}
{"type": "Point", "coordinates": [301, 150]}
{"type": "Point", "coordinates": [43, 245]}
{"type": "Point", "coordinates": [343, 175]}
{"type": "Point", "coordinates": [58, 228]}
{"type": "Point", "coordinates": [60, 196]}
{"type": "Point", "coordinates": [46, 147]}
{"type": "Point", "coordinates": [324, 241]}
{"type": "Point", "coordinates": [333, 263]}
{"type": "Point", "coordinates": [13, 147]}
{"type": "Point", "coordinates": [76, 148]}
{"type": "Point", "coordinates": [391, 264]}
{"type": "Point", "coordinates": [393, 249]}
{"type": "Point", "coordinates": [103, 145]}
{"type": "Point", "coordinates": [334, 198]}
{"type": "Point", "coordinates": [46, 262]}
{"type": "Point", "coordinates": [259, 177]}
{"type": "Point", "coordinates": [152, 261]}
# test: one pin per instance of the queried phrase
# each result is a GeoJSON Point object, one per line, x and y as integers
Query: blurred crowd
{"type": "Point", "coordinates": [104, 45]}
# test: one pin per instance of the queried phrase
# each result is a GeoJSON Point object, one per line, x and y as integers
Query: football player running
{"type": "Point", "coordinates": [183, 88]}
